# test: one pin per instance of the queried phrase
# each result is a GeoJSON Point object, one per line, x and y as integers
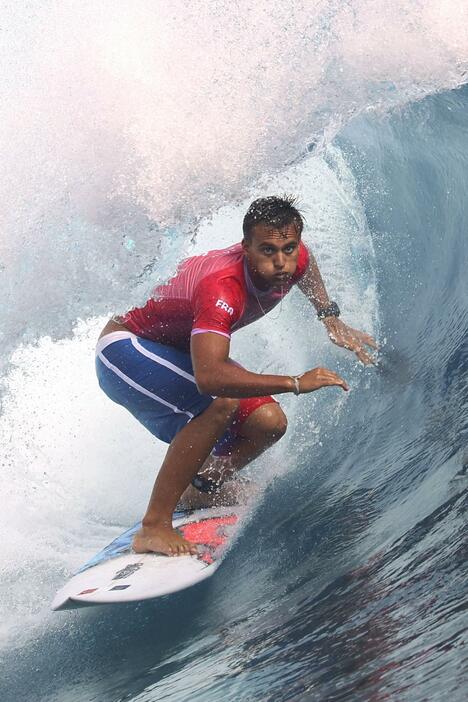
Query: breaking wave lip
{"type": "Point", "coordinates": [124, 150]}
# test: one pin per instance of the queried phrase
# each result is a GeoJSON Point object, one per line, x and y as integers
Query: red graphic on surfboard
{"type": "Point", "coordinates": [210, 533]}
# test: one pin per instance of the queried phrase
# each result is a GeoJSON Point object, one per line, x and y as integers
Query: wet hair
{"type": "Point", "coordinates": [275, 212]}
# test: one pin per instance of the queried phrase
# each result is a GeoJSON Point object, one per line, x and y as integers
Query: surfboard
{"type": "Point", "coordinates": [117, 574]}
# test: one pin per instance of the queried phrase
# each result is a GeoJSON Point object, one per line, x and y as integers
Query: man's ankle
{"type": "Point", "coordinates": [151, 522]}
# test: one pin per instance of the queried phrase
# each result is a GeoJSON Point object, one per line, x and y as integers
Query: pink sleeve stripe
{"type": "Point", "coordinates": [214, 331]}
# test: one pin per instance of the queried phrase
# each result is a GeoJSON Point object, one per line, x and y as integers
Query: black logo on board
{"type": "Point", "coordinates": [127, 571]}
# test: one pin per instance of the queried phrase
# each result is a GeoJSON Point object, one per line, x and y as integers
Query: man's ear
{"type": "Point", "coordinates": [245, 245]}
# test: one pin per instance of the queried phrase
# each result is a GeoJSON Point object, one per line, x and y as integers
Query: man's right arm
{"type": "Point", "coordinates": [216, 374]}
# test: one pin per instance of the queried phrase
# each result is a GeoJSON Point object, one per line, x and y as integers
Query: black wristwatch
{"type": "Point", "coordinates": [331, 311]}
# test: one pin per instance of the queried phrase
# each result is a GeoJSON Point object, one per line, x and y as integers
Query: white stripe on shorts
{"type": "Point", "coordinates": [162, 361]}
{"type": "Point", "coordinates": [140, 388]}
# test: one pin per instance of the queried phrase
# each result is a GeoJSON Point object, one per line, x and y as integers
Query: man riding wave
{"type": "Point", "coordinates": [168, 362]}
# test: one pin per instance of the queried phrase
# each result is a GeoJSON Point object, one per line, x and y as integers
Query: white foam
{"type": "Point", "coordinates": [123, 124]}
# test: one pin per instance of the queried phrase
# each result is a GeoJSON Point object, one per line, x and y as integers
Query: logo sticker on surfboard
{"type": "Point", "coordinates": [127, 571]}
{"type": "Point", "coordinates": [119, 587]}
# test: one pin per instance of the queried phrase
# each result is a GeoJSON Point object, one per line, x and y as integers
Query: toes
{"type": "Point", "coordinates": [186, 549]}
{"type": "Point", "coordinates": [172, 548]}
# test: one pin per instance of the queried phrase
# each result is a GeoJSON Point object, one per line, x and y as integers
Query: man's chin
{"type": "Point", "coordinates": [277, 284]}
{"type": "Point", "coordinates": [273, 283]}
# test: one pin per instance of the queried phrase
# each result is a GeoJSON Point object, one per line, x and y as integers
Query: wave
{"type": "Point", "coordinates": [349, 583]}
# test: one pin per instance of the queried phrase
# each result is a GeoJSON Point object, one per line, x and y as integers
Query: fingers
{"type": "Point", "coordinates": [355, 343]}
{"type": "Point", "coordinates": [339, 382]}
{"type": "Point", "coordinates": [354, 340]}
{"type": "Point", "coordinates": [343, 384]}
{"type": "Point", "coordinates": [366, 339]}
{"type": "Point", "coordinates": [362, 353]}
{"type": "Point", "coordinates": [330, 378]}
{"type": "Point", "coordinates": [364, 356]}
{"type": "Point", "coordinates": [320, 378]}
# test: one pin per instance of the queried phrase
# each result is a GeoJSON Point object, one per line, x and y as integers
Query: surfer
{"type": "Point", "coordinates": [168, 361]}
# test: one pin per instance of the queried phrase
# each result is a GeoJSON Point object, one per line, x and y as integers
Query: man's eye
{"type": "Point", "coordinates": [267, 250]}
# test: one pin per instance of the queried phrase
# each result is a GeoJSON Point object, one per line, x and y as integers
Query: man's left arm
{"type": "Point", "coordinates": [313, 287]}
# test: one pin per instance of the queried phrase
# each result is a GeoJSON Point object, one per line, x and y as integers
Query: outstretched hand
{"type": "Point", "coordinates": [351, 339]}
{"type": "Point", "coordinates": [320, 378]}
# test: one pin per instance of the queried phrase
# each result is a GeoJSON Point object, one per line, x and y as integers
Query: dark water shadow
{"type": "Point", "coordinates": [100, 647]}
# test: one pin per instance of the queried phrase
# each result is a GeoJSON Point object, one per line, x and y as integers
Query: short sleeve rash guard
{"type": "Point", "coordinates": [209, 293]}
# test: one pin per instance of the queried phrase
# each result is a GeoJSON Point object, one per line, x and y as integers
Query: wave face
{"type": "Point", "coordinates": [349, 582]}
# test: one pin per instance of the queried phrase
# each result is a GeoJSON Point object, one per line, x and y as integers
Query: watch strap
{"type": "Point", "coordinates": [332, 310]}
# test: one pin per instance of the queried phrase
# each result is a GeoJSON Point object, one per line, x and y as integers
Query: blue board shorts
{"type": "Point", "coordinates": [154, 382]}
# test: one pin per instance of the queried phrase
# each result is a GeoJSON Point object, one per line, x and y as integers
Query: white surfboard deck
{"type": "Point", "coordinates": [117, 574]}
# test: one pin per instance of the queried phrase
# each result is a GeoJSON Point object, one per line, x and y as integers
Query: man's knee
{"type": "Point", "coordinates": [276, 423]}
{"type": "Point", "coordinates": [269, 421]}
{"type": "Point", "coordinates": [225, 406]}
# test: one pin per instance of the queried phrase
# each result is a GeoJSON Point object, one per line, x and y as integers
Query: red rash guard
{"type": "Point", "coordinates": [209, 293]}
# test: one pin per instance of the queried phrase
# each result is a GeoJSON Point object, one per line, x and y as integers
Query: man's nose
{"type": "Point", "coordinates": [279, 260]}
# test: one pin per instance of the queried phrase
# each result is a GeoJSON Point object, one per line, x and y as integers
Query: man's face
{"type": "Point", "coordinates": [272, 255]}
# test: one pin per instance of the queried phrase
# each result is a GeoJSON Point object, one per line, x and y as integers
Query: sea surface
{"type": "Point", "coordinates": [134, 134]}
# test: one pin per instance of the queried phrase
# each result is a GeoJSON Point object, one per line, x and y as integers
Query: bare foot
{"type": "Point", "coordinates": [162, 539]}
